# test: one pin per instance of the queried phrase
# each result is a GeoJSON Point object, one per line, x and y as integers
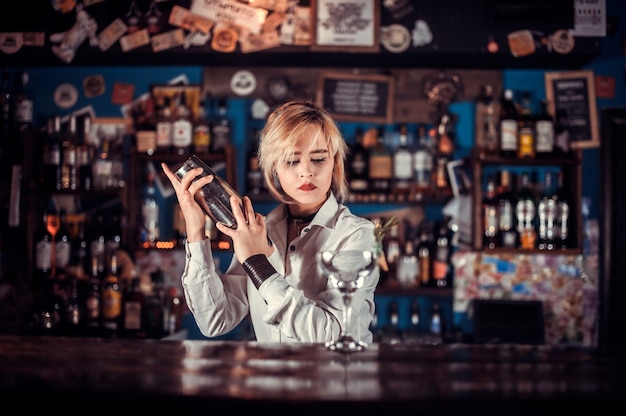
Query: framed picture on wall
{"type": "Point", "coordinates": [351, 26]}
{"type": "Point", "coordinates": [572, 104]}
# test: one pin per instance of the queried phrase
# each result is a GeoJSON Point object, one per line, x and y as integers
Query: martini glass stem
{"type": "Point", "coordinates": [347, 315]}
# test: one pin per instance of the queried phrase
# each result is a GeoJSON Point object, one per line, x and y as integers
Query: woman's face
{"type": "Point", "coordinates": [306, 176]}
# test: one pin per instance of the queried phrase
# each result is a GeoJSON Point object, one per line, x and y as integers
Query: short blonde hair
{"type": "Point", "coordinates": [284, 127]}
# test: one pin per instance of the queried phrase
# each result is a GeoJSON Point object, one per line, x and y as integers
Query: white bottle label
{"type": "Point", "coordinates": [182, 133]}
{"type": "Point", "coordinates": [508, 139]}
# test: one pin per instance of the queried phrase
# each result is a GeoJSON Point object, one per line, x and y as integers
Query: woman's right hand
{"type": "Point", "coordinates": [185, 191]}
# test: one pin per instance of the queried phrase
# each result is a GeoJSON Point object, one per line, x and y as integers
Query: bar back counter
{"type": "Point", "coordinates": [203, 377]}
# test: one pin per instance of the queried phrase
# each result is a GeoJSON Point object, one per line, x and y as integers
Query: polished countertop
{"type": "Point", "coordinates": [307, 378]}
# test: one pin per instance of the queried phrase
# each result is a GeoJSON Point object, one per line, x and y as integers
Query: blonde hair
{"type": "Point", "coordinates": [284, 127]}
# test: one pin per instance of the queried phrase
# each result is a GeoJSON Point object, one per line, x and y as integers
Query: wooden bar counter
{"type": "Point", "coordinates": [204, 377]}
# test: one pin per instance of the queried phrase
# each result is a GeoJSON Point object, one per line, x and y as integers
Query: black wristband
{"type": "Point", "coordinates": [258, 268]}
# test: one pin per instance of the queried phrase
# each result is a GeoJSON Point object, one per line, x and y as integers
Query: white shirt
{"type": "Point", "coordinates": [297, 303]}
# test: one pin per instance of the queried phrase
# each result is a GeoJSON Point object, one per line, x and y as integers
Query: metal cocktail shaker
{"type": "Point", "coordinates": [214, 197]}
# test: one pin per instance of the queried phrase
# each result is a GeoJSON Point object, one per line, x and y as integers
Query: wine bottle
{"type": "Point", "coordinates": [486, 121]}
{"type": "Point", "coordinates": [62, 246]}
{"type": "Point", "coordinates": [564, 204]}
{"type": "Point", "coordinates": [441, 260]}
{"type": "Point", "coordinates": [422, 163]}
{"type": "Point", "coordinates": [201, 131]}
{"type": "Point", "coordinates": [182, 130]}
{"type": "Point", "coordinates": [69, 162]}
{"type": "Point", "coordinates": [508, 125]}
{"type": "Point", "coordinates": [358, 168]}
{"type": "Point", "coordinates": [164, 127]}
{"type": "Point", "coordinates": [132, 312]}
{"type": "Point", "coordinates": [52, 155]}
{"type": "Point", "coordinates": [149, 213]}
{"type": "Point", "coordinates": [544, 132]}
{"type": "Point", "coordinates": [490, 215]}
{"type": "Point", "coordinates": [84, 155]}
{"type": "Point", "coordinates": [525, 213]}
{"type": "Point", "coordinates": [380, 168]}
{"type": "Point", "coordinates": [424, 252]}
{"type": "Point", "coordinates": [507, 232]}
{"type": "Point", "coordinates": [92, 316]}
{"type": "Point", "coordinates": [402, 160]}
{"type": "Point", "coordinates": [546, 214]}
{"type": "Point", "coordinates": [111, 301]}
{"type": "Point", "coordinates": [221, 131]}
{"type": "Point", "coordinates": [526, 129]}
{"type": "Point", "coordinates": [42, 239]}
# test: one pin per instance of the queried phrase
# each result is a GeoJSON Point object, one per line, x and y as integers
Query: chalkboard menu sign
{"type": "Point", "coordinates": [573, 105]}
{"type": "Point", "coordinates": [353, 97]}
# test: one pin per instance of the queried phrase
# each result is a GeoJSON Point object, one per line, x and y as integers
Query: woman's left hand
{"type": "Point", "coordinates": [250, 236]}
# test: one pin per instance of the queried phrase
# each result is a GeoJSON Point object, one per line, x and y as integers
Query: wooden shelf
{"type": "Point", "coordinates": [572, 168]}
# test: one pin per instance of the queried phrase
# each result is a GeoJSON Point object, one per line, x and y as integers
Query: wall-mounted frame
{"type": "Point", "coordinates": [346, 26]}
{"type": "Point", "coordinates": [572, 103]}
{"type": "Point", "coordinates": [351, 97]}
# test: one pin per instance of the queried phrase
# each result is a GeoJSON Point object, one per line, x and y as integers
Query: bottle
{"type": "Point", "coordinates": [544, 132]}
{"type": "Point", "coordinates": [93, 302]}
{"type": "Point", "coordinates": [73, 311]}
{"type": "Point", "coordinates": [546, 213]}
{"type": "Point", "coordinates": [97, 243]}
{"type": "Point", "coordinates": [103, 167]}
{"type": "Point", "coordinates": [79, 252]}
{"type": "Point", "coordinates": [111, 301]}
{"type": "Point", "coordinates": [402, 166]}
{"type": "Point", "coordinates": [358, 168]}
{"type": "Point", "coordinates": [113, 235]}
{"type": "Point", "coordinates": [436, 327]}
{"type": "Point", "coordinates": [391, 333]}
{"type": "Point", "coordinates": [441, 260]}
{"type": "Point", "coordinates": [526, 129]}
{"type": "Point", "coordinates": [221, 132]}
{"type": "Point", "coordinates": [52, 155]}
{"type": "Point", "coordinates": [149, 213]}
{"type": "Point", "coordinates": [254, 176]}
{"type": "Point", "coordinates": [69, 165]}
{"type": "Point", "coordinates": [23, 103]}
{"type": "Point", "coordinates": [490, 215]}
{"type": "Point", "coordinates": [564, 202]}
{"type": "Point", "coordinates": [446, 136]}
{"type": "Point", "coordinates": [182, 131]}
{"type": "Point", "coordinates": [507, 232]}
{"type": "Point", "coordinates": [132, 313]}
{"type": "Point", "coordinates": [164, 127]}
{"type": "Point", "coordinates": [486, 121]}
{"type": "Point", "coordinates": [155, 316]}
{"type": "Point", "coordinates": [408, 269]}
{"type": "Point", "coordinates": [380, 168]}
{"type": "Point", "coordinates": [442, 183]}
{"type": "Point", "coordinates": [422, 163]}
{"type": "Point", "coordinates": [62, 246]}
{"type": "Point", "coordinates": [42, 239]}
{"type": "Point", "coordinates": [84, 155]}
{"type": "Point", "coordinates": [413, 334]}
{"type": "Point", "coordinates": [508, 125]}
{"type": "Point", "coordinates": [525, 212]}
{"type": "Point", "coordinates": [201, 131]}
{"type": "Point", "coordinates": [424, 257]}
{"type": "Point", "coordinates": [391, 245]}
